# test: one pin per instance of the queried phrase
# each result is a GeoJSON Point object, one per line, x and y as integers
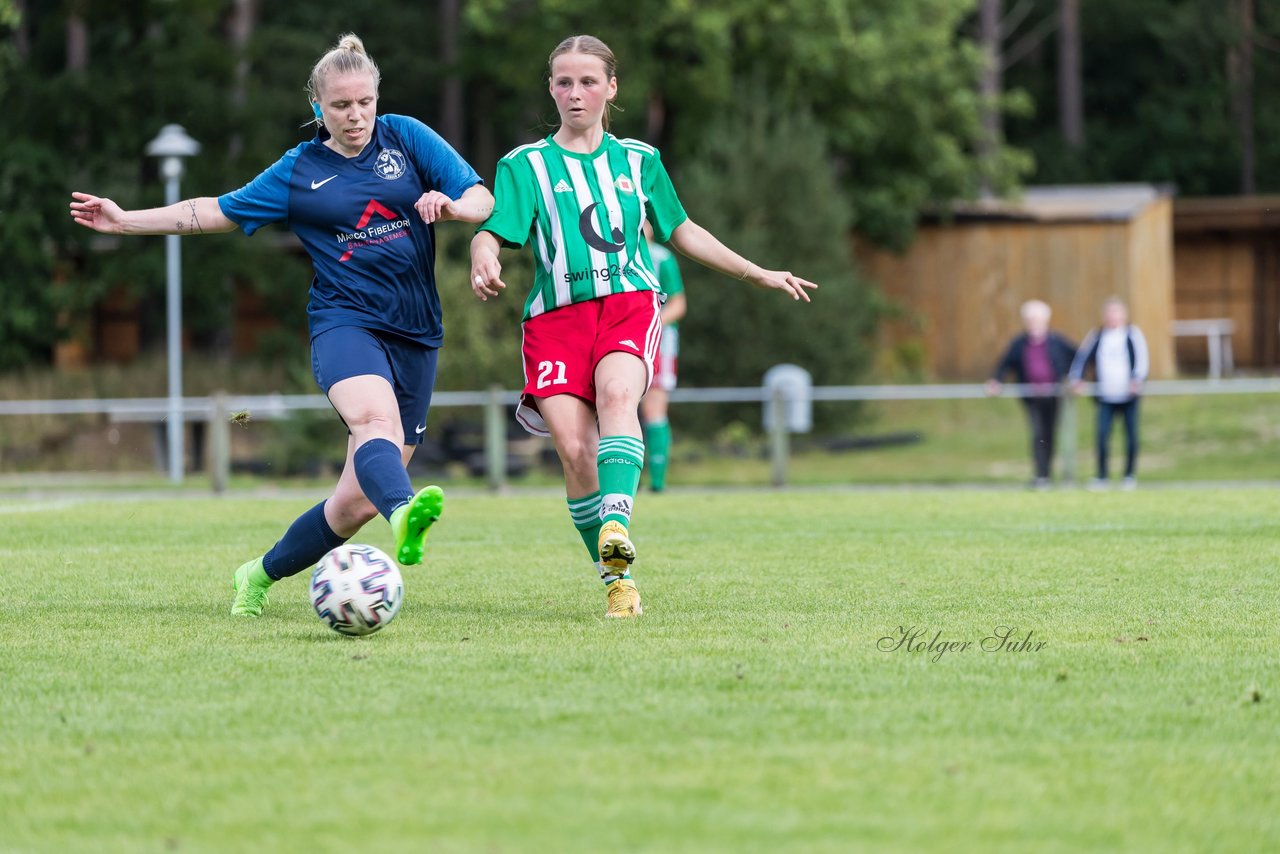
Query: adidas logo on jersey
{"type": "Point", "coordinates": [630, 344]}
{"type": "Point", "coordinates": [563, 187]}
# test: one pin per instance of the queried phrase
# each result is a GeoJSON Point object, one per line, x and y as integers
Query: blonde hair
{"type": "Point", "coordinates": [589, 46]}
{"type": "Point", "coordinates": [346, 57]}
{"type": "Point", "coordinates": [1036, 308]}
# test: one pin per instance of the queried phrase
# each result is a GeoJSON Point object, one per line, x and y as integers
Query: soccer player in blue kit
{"type": "Point", "coordinates": [362, 197]}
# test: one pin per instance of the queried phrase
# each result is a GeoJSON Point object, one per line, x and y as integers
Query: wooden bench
{"type": "Point", "coordinates": [1217, 333]}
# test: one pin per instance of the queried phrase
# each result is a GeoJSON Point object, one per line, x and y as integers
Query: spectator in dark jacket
{"type": "Point", "coordinates": [1040, 358]}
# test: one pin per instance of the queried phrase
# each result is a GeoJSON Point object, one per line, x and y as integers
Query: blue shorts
{"type": "Point", "coordinates": [350, 351]}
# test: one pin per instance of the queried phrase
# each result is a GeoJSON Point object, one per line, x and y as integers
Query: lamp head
{"type": "Point", "coordinates": [172, 141]}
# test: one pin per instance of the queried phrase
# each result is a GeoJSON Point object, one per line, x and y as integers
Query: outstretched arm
{"type": "Point", "coordinates": [697, 243]}
{"type": "Point", "coordinates": [192, 216]}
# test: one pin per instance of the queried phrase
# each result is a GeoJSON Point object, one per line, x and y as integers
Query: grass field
{"type": "Point", "coordinates": [754, 707]}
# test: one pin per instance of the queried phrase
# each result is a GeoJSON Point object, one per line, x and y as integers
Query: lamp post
{"type": "Point", "coordinates": [171, 145]}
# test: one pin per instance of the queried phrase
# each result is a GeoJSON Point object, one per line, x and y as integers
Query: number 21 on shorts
{"type": "Point", "coordinates": [545, 370]}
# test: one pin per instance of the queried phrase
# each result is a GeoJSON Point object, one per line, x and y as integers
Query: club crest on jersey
{"type": "Point", "coordinates": [587, 228]}
{"type": "Point", "coordinates": [624, 184]}
{"type": "Point", "coordinates": [390, 164]}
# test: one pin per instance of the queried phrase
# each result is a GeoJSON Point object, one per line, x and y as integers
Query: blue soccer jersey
{"type": "Point", "coordinates": [373, 255]}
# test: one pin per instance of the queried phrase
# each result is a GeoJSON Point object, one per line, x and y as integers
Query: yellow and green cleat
{"type": "Point", "coordinates": [410, 523]}
{"type": "Point", "coordinates": [616, 549]}
{"type": "Point", "coordinates": [624, 599]}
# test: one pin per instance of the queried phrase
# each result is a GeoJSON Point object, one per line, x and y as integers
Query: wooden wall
{"type": "Point", "coordinates": [1214, 277]}
{"type": "Point", "coordinates": [1150, 291]}
{"type": "Point", "coordinates": [119, 330]}
{"type": "Point", "coordinates": [963, 283]}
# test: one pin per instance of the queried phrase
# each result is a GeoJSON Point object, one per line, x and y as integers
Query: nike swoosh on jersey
{"type": "Point", "coordinates": [315, 185]}
{"type": "Point", "coordinates": [419, 429]}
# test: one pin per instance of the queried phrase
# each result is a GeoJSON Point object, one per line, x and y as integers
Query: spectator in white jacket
{"type": "Point", "coordinates": [1119, 355]}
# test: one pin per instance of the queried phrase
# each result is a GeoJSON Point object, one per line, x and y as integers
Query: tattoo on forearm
{"type": "Point", "coordinates": [194, 225]}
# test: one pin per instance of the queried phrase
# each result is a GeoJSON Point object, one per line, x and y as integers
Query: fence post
{"type": "Point", "coordinates": [219, 442]}
{"type": "Point", "coordinates": [779, 437]}
{"type": "Point", "coordinates": [1067, 434]}
{"type": "Point", "coordinates": [495, 440]}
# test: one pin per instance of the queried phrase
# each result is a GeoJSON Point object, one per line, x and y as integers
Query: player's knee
{"type": "Point", "coordinates": [616, 394]}
{"type": "Point", "coordinates": [577, 455]}
{"type": "Point", "coordinates": [377, 425]}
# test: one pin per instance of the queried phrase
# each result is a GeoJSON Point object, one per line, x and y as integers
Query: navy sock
{"type": "Point", "coordinates": [308, 539]}
{"type": "Point", "coordinates": [380, 470]}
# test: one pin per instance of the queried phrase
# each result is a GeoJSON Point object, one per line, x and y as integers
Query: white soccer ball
{"type": "Point", "coordinates": [356, 589]}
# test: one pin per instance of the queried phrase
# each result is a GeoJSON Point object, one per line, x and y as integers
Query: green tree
{"type": "Point", "coordinates": [481, 339]}
{"type": "Point", "coordinates": [81, 123]}
{"type": "Point", "coordinates": [1158, 84]}
{"type": "Point", "coordinates": [26, 314]}
{"type": "Point", "coordinates": [765, 187]}
{"type": "Point", "coordinates": [891, 82]}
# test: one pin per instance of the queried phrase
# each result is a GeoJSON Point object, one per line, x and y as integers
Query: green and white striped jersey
{"type": "Point", "coordinates": [583, 214]}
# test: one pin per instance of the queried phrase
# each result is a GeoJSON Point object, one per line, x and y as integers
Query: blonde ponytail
{"type": "Point", "coordinates": [352, 42]}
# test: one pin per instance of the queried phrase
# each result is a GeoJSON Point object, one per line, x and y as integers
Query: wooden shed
{"type": "Point", "coordinates": [1226, 261]}
{"type": "Point", "coordinates": [965, 277]}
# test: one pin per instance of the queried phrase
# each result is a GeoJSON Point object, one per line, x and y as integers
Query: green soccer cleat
{"type": "Point", "coordinates": [251, 584]}
{"type": "Point", "coordinates": [410, 522]}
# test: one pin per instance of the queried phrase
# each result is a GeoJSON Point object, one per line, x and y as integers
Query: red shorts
{"type": "Point", "coordinates": [562, 348]}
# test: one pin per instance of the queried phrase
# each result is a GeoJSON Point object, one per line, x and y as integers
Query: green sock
{"type": "Point", "coordinates": [619, 462]}
{"type": "Point", "coordinates": [657, 442]}
{"type": "Point", "coordinates": [257, 575]}
{"type": "Point", "coordinates": [585, 513]}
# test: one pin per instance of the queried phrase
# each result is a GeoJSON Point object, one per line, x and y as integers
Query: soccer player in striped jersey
{"type": "Point", "coordinates": [592, 318]}
{"type": "Point", "coordinates": [362, 196]}
{"type": "Point", "coordinates": [653, 408]}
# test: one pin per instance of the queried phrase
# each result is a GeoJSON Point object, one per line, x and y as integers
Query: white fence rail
{"type": "Point", "coordinates": [217, 411]}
